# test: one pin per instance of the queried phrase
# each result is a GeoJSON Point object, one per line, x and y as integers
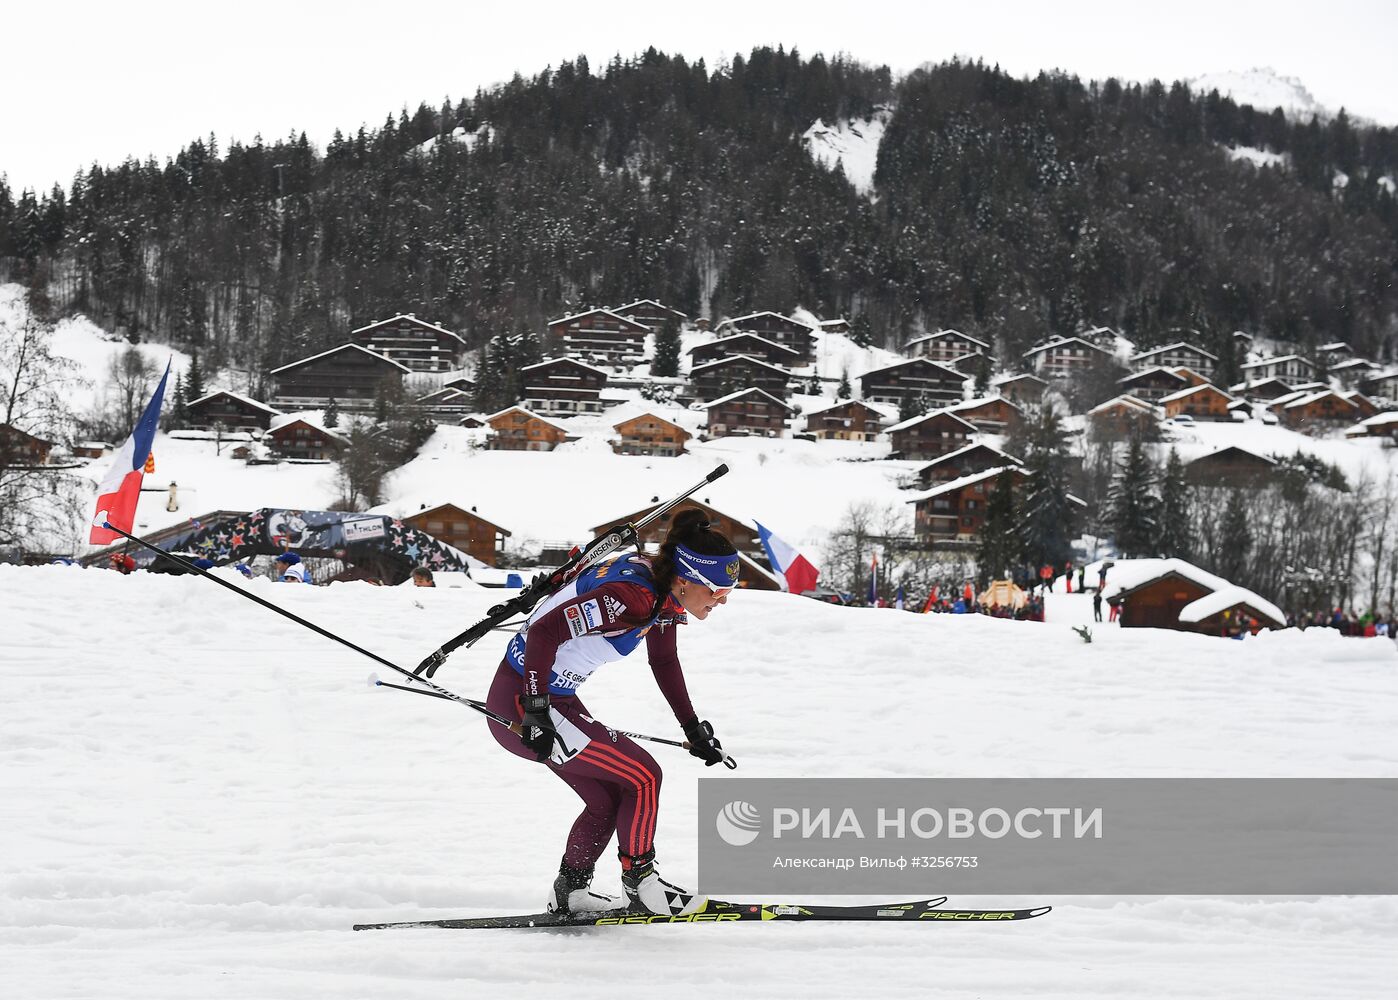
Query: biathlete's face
{"type": "Point", "coordinates": [697, 599]}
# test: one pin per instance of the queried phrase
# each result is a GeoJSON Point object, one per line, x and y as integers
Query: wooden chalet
{"type": "Point", "coordinates": [1230, 466]}
{"type": "Point", "coordinates": [775, 327]}
{"type": "Point", "coordinates": [1150, 384]}
{"type": "Point", "coordinates": [1313, 411]}
{"type": "Point", "coordinates": [840, 325]}
{"type": "Point", "coordinates": [1383, 386]}
{"type": "Point", "coordinates": [421, 346]}
{"type": "Point", "coordinates": [722, 377]}
{"type": "Point", "coordinates": [304, 439]}
{"type": "Point", "coordinates": [651, 313]}
{"type": "Point", "coordinates": [518, 429]}
{"type": "Point", "coordinates": [563, 387]}
{"type": "Point", "coordinates": [1263, 390]}
{"type": "Point", "coordinates": [911, 380]}
{"type": "Point", "coordinates": [1174, 594]}
{"type": "Point", "coordinates": [1291, 367]}
{"type": "Point", "coordinates": [231, 410]}
{"type": "Point", "coordinates": [945, 345]}
{"type": "Point", "coordinates": [930, 436]}
{"type": "Point", "coordinates": [461, 382]}
{"type": "Point", "coordinates": [744, 345]}
{"type": "Point", "coordinates": [650, 435]}
{"type": "Point", "coordinates": [1192, 377]}
{"type": "Point", "coordinates": [91, 449]}
{"type": "Point", "coordinates": [991, 414]}
{"type": "Point", "coordinates": [747, 413]}
{"type": "Point", "coordinates": [349, 374]}
{"type": "Point", "coordinates": [963, 462]}
{"type": "Point", "coordinates": [1022, 389]}
{"type": "Point", "coordinates": [1064, 356]}
{"type": "Point", "coordinates": [850, 420]}
{"type": "Point", "coordinates": [1365, 407]}
{"type": "Point", "coordinates": [1122, 415]}
{"type": "Point", "coordinates": [462, 529]}
{"type": "Point", "coordinates": [1351, 372]}
{"type": "Point", "coordinates": [20, 448]}
{"type": "Point", "coordinates": [954, 511]}
{"type": "Point", "coordinates": [1177, 355]}
{"type": "Point", "coordinates": [600, 336]}
{"type": "Point", "coordinates": [1380, 425]}
{"type": "Point", "coordinates": [1202, 402]}
{"type": "Point", "coordinates": [446, 403]}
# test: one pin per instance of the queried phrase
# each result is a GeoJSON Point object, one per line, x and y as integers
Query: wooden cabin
{"type": "Point", "coordinates": [954, 511]}
{"type": "Point", "coordinates": [1202, 402]}
{"type": "Point", "coordinates": [915, 379]}
{"type": "Point", "coordinates": [446, 403]}
{"type": "Point", "coordinates": [563, 387]}
{"type": "Point", "coordinates": [744, 345]}
{"type": "Point", "coordinates": [650, 435]}
{"type": "Point", "coordinates": [1177, 355]}
{"type": "Point", "coordinates": [649, 312]}
{"type": "Point", "coordinates": [20, 448]}
{"type": "Point", "coordinates": [349, 374]}
{"type": "Point", "coordinates": [1352, 372]}
{"type": "Point", "coordinates": [946, 346]}
{"type": "Point", "coordinates": [1022, 389]}
{"type": "Point", "coordinates": [850, 420]}
{"type": "Point", "coordinates": [748, 413]}
{"type": "Point", "coordinates": [231, 410]}
{"type": "Point", "coordinates": [415, 343]}
{"type": "Point", "coordinates": [963, 462]}
{"type": "Point", "coordinates": [930, 436]}
{"type": "Point", "coordinates": [1157, 603]}
{"type": "Point", "coordinates": [462, 529]}
{"type": "Point", "coordinates": [1150, 384]}
{"type": "Point", "coordinates": [1384, 386]}
{"type": "Point", "coordinates": [518, 429]}
{"type": "Point", "coordinates": [1122, 416]}
{"type": "Point", "coordinates": [1230, 466]}
{"type": "Point", "coordinates": [1262, 391]}
{"type": "Point", "coordinates": [1064, 356]}
{"type": "Point", "coordinates": [1291, 367]}
{"type": "Point", "coordinates": [304, 439]}
{"type": "Point", "coordinates": [990, 414]}
{"type": "Point", "coordinates": [777, 328]}
{"type": "Point", "coordinates": [724, 376]}
{"type": "Point", "coordinates": [1316, 411]}
{"type": "Point", "coordinates": [600, 336]}
{"type": "Point", "coordinates": [1364, 406]}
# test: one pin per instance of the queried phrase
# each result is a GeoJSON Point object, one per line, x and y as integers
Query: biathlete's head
{"type": "Point", "coordinates": [696, 564]}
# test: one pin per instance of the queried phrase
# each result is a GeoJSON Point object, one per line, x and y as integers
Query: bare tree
{"type": "Point", "coordinates": [129, 378]}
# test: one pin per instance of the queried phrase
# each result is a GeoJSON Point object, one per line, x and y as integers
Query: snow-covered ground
{"type": "Point", "coordinates": [200, 798]}
{"type": "Point", "coordinates": [853, 144]}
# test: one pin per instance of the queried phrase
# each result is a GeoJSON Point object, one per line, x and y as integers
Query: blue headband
{"type": "Point", "coordinates": [714, 572]}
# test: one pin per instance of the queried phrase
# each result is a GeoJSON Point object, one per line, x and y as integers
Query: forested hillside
{"type": "Point", "coordinates": [1009, 209]}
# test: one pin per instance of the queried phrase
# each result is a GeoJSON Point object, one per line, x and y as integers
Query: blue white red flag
{"type": "Point", "coordinates": [797, 573]}
{"type": "Point", "coordinates": [874, 582]}
{"type": "Point", "coordinates": [898, 598]}
{"type": "Point", "coordinates": [118, 493]}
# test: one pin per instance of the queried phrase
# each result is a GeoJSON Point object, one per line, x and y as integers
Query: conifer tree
{"type": "Point", "coordinates": [843, 391]}
{"type": "Point", "coordinates": [179, 409]}
{"type": "Point", "coordinates": [998, 543]}
{"type": "Point", "coordinates": [1134, 503]}
{"type": "Point", "coordinates": [194, 380]}
{"type": "Point", "coordinates": [1175, 501]}
{"type": "Point", "coordinates": [667, 350]}
{"type": "Point", "coordinates": [332, 413]}
{"type": "Point", "coordinates": [1045, 512]}
{"type": "Point", "coordinates": [1236, 534]}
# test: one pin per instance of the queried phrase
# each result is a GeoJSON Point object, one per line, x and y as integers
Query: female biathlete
{"type": "Point", "coordinates": [603, 615]}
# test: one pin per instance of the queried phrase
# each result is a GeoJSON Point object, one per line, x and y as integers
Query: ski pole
{"type": "Point", "coordinates": [441, 692]}
{"type": "Point", "coordinates": [374, 681]}
{"type": "Point", "coordinates": [544, 584]}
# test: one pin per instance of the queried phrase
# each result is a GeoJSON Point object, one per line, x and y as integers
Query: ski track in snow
{"type": "Point", "coordinates": [200, 798]}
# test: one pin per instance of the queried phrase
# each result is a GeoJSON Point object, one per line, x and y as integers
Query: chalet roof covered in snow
{"type": "Point", "coordinates": [1229, 597]}
{"type": "Point", "coordinates": [1063, 341]}
{"type": "Point", "coordinates": [245, 400]}
{"type": "Point", "coordinates": [527, 412]}
{"type": "Point", "coordinates": [743, 335]}
{"type": "Point", "coordinates": [945, 412]}
{"type": "Point", "coordinates": [745, 392]}
{"type": "Point", "coordinates": [606, 312]}
{"type": "Point", "coordinates": [565, 360]}
{"type": "Point", "coordinates": [336, 350]}
{"type": "Point", "coordinates": [1205, 388]}
{"type": "Point", "coordinates": [1131, 402]}
{"type": "Point", "coordinates": [1171, 347]}
{"type": "Point", "coordinates": [1276, 361]}
{"type": "Point", "coordinates": [943, 334]}
{"type": "Point", "coordinates": [736, 359]}
{"type": "Point", "coordinates": [1132, 574]}
{"type": "Point", "coordinates": [958, 484]}
{"type": "Point", "coordinates": [649, 302]}
{"type": "Point", "coordinates": [409, 317]}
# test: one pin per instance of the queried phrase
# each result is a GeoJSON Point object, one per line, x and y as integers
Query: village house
{"type": "Point", "coordinates": [462, 529]}
{"type": "Point", "coordinates": [954, 511]}
{"type": "Point", "coordinates": [1022, 389]}
{"type": "Point", "coordinates": [1150, 384]}
{"type": "Point", "coordinates": [840, 325]}
{"type": "Point", "coordinates": [563, 387]}
{"type": "Point", "coordinates": [1064, 356]}
{"type": "Point", "coordinates": [963, 462]}
{"type": "Point", "coordinates": [721, 377]}
{"type": "Point", "coordinates": [1177, 355]}
{"type": "Point", "coordinates": [930, 436]}
{"type": "Point", "coordinates": [1316, 411]}
{"type": "Point", "coordinates": [600, 336]}
{"type": "Point", "coordinates": [990, 414]}
{"type": "Point", "coordinates": [305, 440]}
{"type": "Point", "coordinates": [1383, 386]}
{"type": "Point", "coordinates": [231, 410]}
{"type": "Point", "coordinates": [351, 375]}
{"type": "Point", "coordinates": [20, 448]}
{"type": "Point", "coordinates": [1124, 415]}
{"type": "Point", "coordinates": [744, 345]}
{"type": "Point", "coordinates": [1291, 367]}
{"type": "Point", "coordinates": [651, 313]}
{"type": "Point", "coordinates": [1352, 372]}
{"type": "Point", "coordinates": [913, 380]}
{"type": "Point", "coordinates": [749, 413]}
{"type": "Point", "coordinates": [1230, 466]}
{"type": "Point", "coordinates": [419, 345]}
{"type": "Point", "coordinates": [1263, 390]}
{"type": "Point", "coordinates": [648, 434]}
{"type": "Point", "coordinates": [777, 328]}
{"type": "Point", "coordinates": [1173, 594]}
{"type": "Point", "coordinates": [91, 449]}
{"type": "Point", "coordinates": [446, 403]}
{"type": "Point", "coordinates": [1380, 425]}
{"type": "Point", "coordinates": [945, 345]}
{"type": "Point", "coordinates": [1202, 402]}
{"type": "Point", "coordinates": [518, 429]}
{"type": "Point", "coordinates": [1365, 406]}
{"type": "Point", "coordinates": [850, 420]}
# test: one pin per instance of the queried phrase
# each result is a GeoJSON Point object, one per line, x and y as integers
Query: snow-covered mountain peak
{"type": "Point", "coordinates": [1264, 88]}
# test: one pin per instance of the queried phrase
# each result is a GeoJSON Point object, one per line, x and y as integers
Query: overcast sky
{"type": "Point", "coordinates": [86, 81]}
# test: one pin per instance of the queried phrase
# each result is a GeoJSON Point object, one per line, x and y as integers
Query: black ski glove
{"type": "Point", "coordinates": [700, 736]}
{"type": "Point", "coordinates": [538, 734]}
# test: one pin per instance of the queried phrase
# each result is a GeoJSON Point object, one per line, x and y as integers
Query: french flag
{"type": "Point", "coordinates": [117, 496]}
{"type": "Point", "coordinates": [799, 575]}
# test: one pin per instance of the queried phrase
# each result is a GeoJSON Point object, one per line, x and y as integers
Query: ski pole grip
{"type": "Point", "coordinates": [730, 763]}
{"type": "Point", "coordinates": [722, 470]}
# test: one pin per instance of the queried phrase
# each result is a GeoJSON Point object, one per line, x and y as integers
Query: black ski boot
{"type": "Point", "coordinates": [571, 892]}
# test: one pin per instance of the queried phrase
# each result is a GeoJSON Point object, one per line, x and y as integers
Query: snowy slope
{"type": "Point", "coordinates": [1264, 88]}
{"type": "Point", "coordinates": [206, 812]}
{"type": "Point", "coordinates": [853, 144]}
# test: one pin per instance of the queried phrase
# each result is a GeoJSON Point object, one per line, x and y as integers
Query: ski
{"type": "Point", "coordinates": [717, 911]}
